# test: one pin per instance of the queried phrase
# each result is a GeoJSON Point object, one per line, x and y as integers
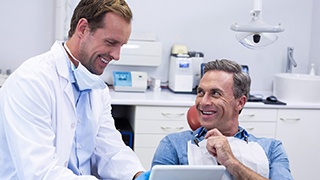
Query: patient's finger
{"type": "Point", "coordinates": [213, 132]}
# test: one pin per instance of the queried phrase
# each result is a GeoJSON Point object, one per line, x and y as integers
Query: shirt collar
{"type": "Point", "coordinates": [200, 133]}
{"type": "Point", "coordinates": [242, 134]}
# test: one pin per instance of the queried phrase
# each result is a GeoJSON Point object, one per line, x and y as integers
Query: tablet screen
{"type": "Point", "coordinates": [186, 172]}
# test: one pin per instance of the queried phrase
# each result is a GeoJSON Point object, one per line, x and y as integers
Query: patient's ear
{"type": "Point", "coordinates": [241, 102]}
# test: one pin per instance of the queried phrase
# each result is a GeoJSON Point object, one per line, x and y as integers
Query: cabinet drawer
{"type": "Point", "coordinates": [251, 114]}
{"type": "Point", "coordinates": [147, 140]}
{"type": "Point", "coordinates": [161, 113]}
{"type": "Point", "coordinates": [261, 129]}
{"type": "Point", "coordinates": [160, 127]}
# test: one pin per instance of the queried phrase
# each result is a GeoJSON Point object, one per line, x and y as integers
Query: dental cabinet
{"type": "Point", "coordinates": [298, 129]}
{"type": "Point", "coordinates": [152, 123]}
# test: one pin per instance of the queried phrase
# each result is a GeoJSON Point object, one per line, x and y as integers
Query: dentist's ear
{"type": "Point", "coordinates": [82, 26]}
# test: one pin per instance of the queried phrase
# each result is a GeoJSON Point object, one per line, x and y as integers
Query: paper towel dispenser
{"type": "Point", "coordinates": [140, 53]}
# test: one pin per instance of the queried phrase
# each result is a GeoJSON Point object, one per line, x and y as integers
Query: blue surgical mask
{"type": "Point", "coordinates": [84, 78]}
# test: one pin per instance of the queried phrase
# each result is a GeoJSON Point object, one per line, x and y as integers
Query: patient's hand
{"type": "Point", "coordinates": [218, 146]}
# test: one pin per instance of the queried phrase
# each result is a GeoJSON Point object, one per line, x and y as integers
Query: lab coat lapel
{"type": "Point", "coordinates": [66, 120]}
{"type": "Point", "coordinates": [63, 71]}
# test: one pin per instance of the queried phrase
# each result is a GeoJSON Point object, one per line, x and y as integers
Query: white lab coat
{"type": "Point", "coordinates": [38, 121]}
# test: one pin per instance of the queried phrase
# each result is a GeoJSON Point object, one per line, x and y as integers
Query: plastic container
{"type": "Point", "coordinates": [312, 70]}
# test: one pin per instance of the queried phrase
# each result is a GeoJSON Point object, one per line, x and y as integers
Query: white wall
{"type": "Point", "coordinates": [27, 29]}
{"type": "Point", "coordinates": [315, 37]}
{"type": "Point", "coordinates": [202, 25]}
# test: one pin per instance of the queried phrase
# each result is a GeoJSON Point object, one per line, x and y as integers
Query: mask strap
{"type": "Point", "coordinates": [69, 52]}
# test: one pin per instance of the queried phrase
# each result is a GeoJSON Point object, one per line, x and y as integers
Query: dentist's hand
{"type": "Point", "coordinates": [143, 176]}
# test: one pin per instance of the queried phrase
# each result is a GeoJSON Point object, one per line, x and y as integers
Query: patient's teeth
{"type": "Point", "coordinates": [207, 112]}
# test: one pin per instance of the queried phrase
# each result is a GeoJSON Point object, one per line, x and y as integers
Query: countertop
{"type": "Point", "coordinates": [168, 98]}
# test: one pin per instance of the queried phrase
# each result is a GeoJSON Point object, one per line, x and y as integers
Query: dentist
{"type": "Point", "coordinates": [55, 111]}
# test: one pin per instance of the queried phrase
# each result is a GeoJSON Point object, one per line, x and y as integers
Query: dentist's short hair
{"type": "Point", "coordinates": [95, 10]}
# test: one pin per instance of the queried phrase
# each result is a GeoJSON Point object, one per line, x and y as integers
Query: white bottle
{"type": "Point", "coordinates": [312, 70]}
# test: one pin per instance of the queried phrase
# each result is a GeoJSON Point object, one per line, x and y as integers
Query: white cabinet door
{"type": "Point", "coordinates": [152, 123]}
{"type": "Point", "coordinates": [300, 134]}
{"type": "Point", "coordinates": [259, 122]}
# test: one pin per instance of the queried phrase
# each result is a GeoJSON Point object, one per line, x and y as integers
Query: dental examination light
{"type": "Point", "coordinates": [256, 34]}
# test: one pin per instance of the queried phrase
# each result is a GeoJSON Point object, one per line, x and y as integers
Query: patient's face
{"type": "Point", "coordinates": [216, 104]}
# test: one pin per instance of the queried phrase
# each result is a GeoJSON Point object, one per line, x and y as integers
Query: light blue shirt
{"type": "Point", "coordinates": [172, 150]}
{"type": "Point", "coordinates": [84, 140]}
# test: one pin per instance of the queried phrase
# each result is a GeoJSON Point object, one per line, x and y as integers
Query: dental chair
{"type": "Point", "coordinates": [193, 118]}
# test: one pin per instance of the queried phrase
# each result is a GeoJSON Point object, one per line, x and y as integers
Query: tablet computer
{"type": "Point", "coordinates": [184, 172]}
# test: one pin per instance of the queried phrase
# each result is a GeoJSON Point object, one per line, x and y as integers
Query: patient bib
{"type": "Point", "coordinates": [250, 154]}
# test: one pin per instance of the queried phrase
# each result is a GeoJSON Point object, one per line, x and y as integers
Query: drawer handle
{"type": "Point", "coordinates": [250, 129]}
{"type": "Point", "coordinates": [173, 115]}
{"type": "Point", "coordinates": [247, 116]}
{"type": "Point", "coordinates": [172, 129]}
{"type": "Point", "coordinates": [290, 120]}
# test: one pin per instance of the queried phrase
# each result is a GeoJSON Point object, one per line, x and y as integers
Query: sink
{"type": "Point", "coordinates": [297, 88]}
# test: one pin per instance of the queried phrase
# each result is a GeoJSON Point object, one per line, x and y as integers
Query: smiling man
{"type": "Point", "coordinates": [55, 111]}
{"type": "Point", "coordinates": [221, 95]}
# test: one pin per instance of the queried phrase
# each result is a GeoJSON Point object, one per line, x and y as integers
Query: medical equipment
{"type": "Point", "coordinates": [185, 69]}
{"type": "Point", "coordinates": [135, 81]}
{"type": "Point", "coordinates": [196, 140]}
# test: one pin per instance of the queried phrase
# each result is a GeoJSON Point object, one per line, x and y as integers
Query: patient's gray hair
{"type": "Point", "coordinates": [241, 80]}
